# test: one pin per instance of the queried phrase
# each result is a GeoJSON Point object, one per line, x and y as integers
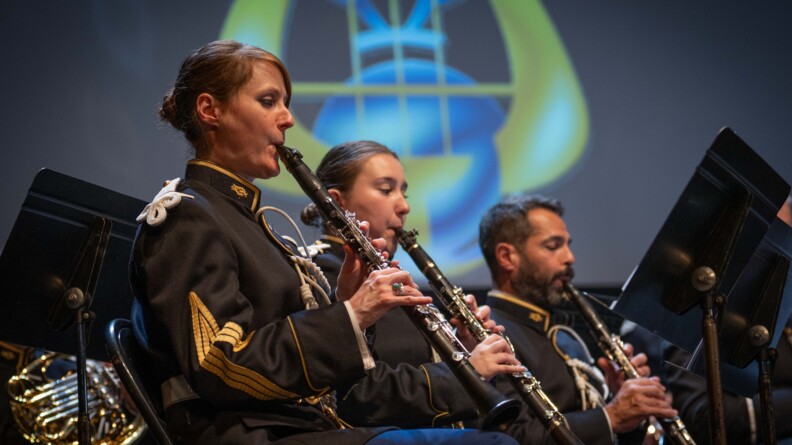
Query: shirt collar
{"type": "Point", "coordinates": [226, 182]}
{"type": "Point", "coordinates": [526, 312]}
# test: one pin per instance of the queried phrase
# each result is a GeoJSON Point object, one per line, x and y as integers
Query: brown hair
{"type": "Point", "coordinates": [219, 68]}
{"type": "Point", "coordinates": [339, 168]}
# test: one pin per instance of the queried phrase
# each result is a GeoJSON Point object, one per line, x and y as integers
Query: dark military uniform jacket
{"type": "Point", "coordinates": [526, 326]}
{"type": "Point", "coordinates": [743, 417]}
{"type": "Point", "coordinates": [218, 310]}
{"type": "Point", "coordinates": [407, 388]}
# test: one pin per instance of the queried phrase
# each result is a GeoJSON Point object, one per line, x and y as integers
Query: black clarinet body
{"type": "Point", "coordinates": [613, 348]}
{"type": "Point", "coordinates": [497, 411]}
{"type": "Point", "coordinates": [453, 299]}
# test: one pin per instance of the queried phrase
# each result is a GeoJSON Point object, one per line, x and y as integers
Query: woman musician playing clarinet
{"type": "Point", "coordinates": [246, 350]}
{"type": "Point", "coordinates": [367, 178]}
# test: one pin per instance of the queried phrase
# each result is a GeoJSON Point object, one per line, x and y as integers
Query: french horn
{"type": "Point", "coordinates": [44, 403]}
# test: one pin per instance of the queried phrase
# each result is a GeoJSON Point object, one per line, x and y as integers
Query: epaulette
{"type": "Point", "coordinates": [157, 210]}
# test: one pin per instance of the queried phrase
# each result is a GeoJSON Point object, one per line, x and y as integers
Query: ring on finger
{"type": "Point", "coordinates": [397, 288]}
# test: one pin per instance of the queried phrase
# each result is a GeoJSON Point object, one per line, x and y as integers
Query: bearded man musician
{"type": "Point", "coordinates": [526, 245]}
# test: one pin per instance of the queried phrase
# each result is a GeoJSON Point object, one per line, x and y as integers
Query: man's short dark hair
{"type": "Point", "coordinates": [506, 222]}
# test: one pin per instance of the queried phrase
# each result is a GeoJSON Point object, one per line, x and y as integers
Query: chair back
{"type": "Point", "coordinates": [129, 362]}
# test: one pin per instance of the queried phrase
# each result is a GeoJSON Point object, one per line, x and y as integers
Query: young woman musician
{"type": "Point", "coordinates": [367, 178]}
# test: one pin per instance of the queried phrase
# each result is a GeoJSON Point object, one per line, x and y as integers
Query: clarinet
{"type": "Point", "coordinates": [613, 348]}
{"type": "Point", "coordinates": [453, 299]}
{"type": "Point", "coordinates": [496, 411]}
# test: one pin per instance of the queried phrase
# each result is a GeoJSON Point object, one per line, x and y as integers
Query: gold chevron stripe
{"type": "Point", "coordinates": [244, 379]}
{"type": "Point", "coordinates": [206, 332]}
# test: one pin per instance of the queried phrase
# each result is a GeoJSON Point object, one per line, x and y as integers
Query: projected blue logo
{"type": "Point", "coordinates": [410, 125]}
{"type": "Point", "coordinates": [463, 142]}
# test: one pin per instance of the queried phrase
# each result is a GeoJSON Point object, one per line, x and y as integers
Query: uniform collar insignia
{"type": "Point", "coordinates": [239, 190]}
{"type": "Point", "coordinates": [227, 182]}
{"type": "Point", "coordinates": [530, 313]}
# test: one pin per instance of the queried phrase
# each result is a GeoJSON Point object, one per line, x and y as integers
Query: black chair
{"type": "Point", "coordinates": [129, 362]}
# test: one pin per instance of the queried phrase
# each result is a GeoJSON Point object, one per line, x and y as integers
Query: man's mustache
{"type": "Point", "coordinates": [567, 274]}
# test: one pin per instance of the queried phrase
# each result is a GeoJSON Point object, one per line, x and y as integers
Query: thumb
{"type": "Point", "coordinates": [350, 263]}
{"type": "Point", "coordinates": [606, 366]}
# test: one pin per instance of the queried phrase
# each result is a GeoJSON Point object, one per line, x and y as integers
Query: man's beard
{"type": "Point", "coordinates": [537, 289]}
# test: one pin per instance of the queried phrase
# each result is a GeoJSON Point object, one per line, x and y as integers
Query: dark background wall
{"type": "Point", "coordinates": [81, 81]}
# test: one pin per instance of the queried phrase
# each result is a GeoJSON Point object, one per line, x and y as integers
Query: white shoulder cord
{"type": "Point", "coordinates": [156, 211]}
{"type": "Point", "coordinates": [310, 274]}
{"type": "Point", "coordinates": [589, 395]}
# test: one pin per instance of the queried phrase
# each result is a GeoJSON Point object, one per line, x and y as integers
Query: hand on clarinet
{"type": "Point", "coordinates": [482, 314]}
{"type": "Point", "coordinates": [636, 401]}
{"type": "Point", "coordinates": [492, 356]}
{"type": "Point", "coordinates": [373, 294]}
{"type": "Point", "coordinates": [353, 272]}
{"type": "Point", "coordinates": [614, 376]}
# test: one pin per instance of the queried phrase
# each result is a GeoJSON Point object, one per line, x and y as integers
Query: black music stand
{"type": "Point", "coordinates": [68, 234]}
{"type": "Point", "coordinates": [749, 323]}
{"type": "Point", "coordinates": [690, 273]}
